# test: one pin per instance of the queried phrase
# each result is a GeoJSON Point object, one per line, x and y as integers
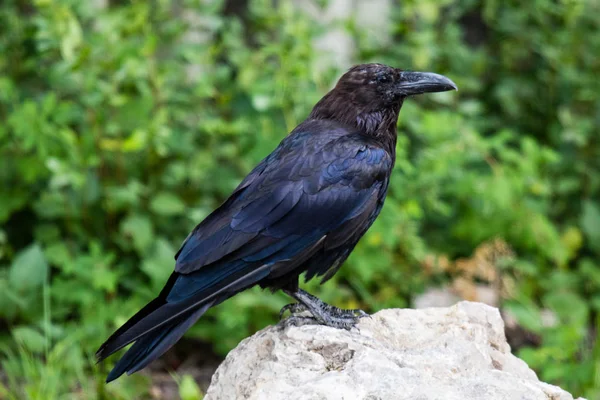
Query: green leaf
{"type": "Point", "coordinates": [166, 203]}
{"type": "Point", "coordinates": [139, 229]}
{"type": "Point", "coordinates": [160, 263]}
{"type": "Point", "coordinates": [528, 315]}
{"type": "Point", "coordinates": [590, 223]}
{"type": "Point", "coordinates": [188, 389]}
{"type": "Point", "coordinates": [29, 269]}
{"type": "Point", "coordinates": [568, 306]}
{"type": "Point", "coordinates": [11, 201]}
{"type": "Point", "coordinates": [10, 302]}
{"type": "Point", "coordinates": [30, 338]}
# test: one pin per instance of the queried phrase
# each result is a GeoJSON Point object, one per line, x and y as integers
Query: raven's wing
{"type": "Point", "coordinates": [292, 203]}
{"type": "Point", "coordinates": [289, 207]}
{"type": "Point", "coordinates": [306, 189]}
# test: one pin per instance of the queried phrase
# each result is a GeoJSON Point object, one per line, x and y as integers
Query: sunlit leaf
{"type": "Point", "coordinates": [188, 389]}
{"type": "Point", "coordinates": [30, 338]}
{"type": "Point", "coordinates": [590, 223]}
{"type": "Point", "coordinates": [29, 269]}
{"type": "Point", "coordinates": [165, 203]}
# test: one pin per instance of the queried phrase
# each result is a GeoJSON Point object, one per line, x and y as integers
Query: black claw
{"type": "Point", "coordinates": [322, 312]}
{"type": "Point", "coordinates": [284, 309]}
{"type": "Point", "coordinates": [295, 320]}
{"type": "Point", "coordinates": [294, 308]}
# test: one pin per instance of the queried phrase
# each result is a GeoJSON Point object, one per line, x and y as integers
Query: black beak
{"type": "Point", "coordinates": [412, 83]}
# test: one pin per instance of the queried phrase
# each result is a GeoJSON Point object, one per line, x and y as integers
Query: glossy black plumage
{"type": "Point", "coordinates": [301, 210]}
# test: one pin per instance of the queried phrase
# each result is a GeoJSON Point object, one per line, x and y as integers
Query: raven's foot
{"type": "Point", "coordinates": [296, 320]}
{"type": "Point", "coordinates": [293, 308]}
{"type": "Point", "coordinates": [322, 312]}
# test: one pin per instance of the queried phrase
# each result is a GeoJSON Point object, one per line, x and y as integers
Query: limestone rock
{"type": "Point", "coordinates": [451, 353]}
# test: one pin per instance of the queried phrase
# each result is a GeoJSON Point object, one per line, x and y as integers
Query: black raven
{"type": "Point", "coordinates": [301, 210]}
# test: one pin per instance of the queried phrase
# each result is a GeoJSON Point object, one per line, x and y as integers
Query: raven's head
{"type": "Point", "coordinates": [380, 86]}
{"type": "Point", "coordinates": [369, 97]}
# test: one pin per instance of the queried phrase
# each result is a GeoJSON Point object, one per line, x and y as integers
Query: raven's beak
{"type": "Point", "coordinates": [412, 83]}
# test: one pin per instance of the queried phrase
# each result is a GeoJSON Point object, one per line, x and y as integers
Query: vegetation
{"type": "Point", "coordinates": [116, 118]}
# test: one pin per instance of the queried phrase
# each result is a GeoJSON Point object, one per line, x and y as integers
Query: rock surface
{"type": "Point", "coordinates": [451, 353]}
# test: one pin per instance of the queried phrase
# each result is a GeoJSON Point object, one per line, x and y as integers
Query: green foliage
{"type": "Point", "coordinates": [122, 126]}
{"type": "Point", "coordinates": [188, 389]}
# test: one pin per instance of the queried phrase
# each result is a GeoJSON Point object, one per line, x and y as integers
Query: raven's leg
{"type": "Point", "coordinates": [322, 312]}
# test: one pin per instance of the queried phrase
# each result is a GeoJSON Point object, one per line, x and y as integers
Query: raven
{"type": "Point", "coordinates": [303, 209]}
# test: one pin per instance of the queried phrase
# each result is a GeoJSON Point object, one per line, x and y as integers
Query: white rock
{"type": "Point", "coordinates": [437, 353]}
{"type": "Point", "coordinates": [436, 297]}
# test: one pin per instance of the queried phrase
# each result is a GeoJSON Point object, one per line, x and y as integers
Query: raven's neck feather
{"type": "Point", "coordinates": [377, 123]}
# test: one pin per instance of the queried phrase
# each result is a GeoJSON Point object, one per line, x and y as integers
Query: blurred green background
{"type": "Point", "coordinates": [124, 123]}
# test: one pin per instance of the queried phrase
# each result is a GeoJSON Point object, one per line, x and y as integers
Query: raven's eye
{"type": "Point", "coordinates": [383, 78]}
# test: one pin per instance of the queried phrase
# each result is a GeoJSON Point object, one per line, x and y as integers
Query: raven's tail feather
{"type": "Point", "coordinates": [152, 345]}
{"type": "Point", "coordinates": [161, 323]}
